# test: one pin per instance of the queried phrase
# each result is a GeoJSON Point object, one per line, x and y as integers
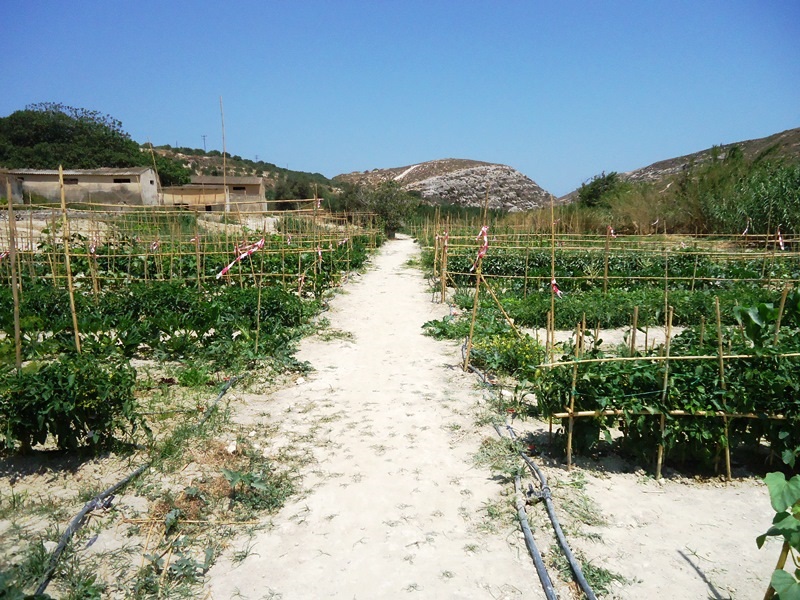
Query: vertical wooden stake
{"type": "Point", "coordinates": [571, 408]}
{"type": "Point", "coordinates": [605, 260]}
{"type": "Point", "coordinates": [780, 313]}
{"type": "Point", "coordinates": [702, 330]}
{"type": "Point", "coordinates": [12, 255]}
{"type": "Point", "coordinates": [634, 327]}
{"type": "Point", "coordinates": [478, 270]}
{"type": "Point", "coordinates": [723, 387]}
{"type": "Point", "coordinates": [65, 231]}
{"type": "Point", "coordinates": [664, 389]}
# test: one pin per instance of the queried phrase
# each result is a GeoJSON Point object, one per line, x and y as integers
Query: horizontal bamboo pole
{"type": "Point", "coordinates": [617, 412]}
{"type": "Point", "coordinates": [671, 358]}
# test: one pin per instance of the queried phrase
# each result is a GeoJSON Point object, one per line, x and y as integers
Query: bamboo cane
{"type": "Point", "coordinates": [605, 260]}
{"type": "Point", "coordinates": [12, 255]}
{"type": "Point", "coordinates": [723, 387]}
{"type": "Point", "coordinates": [780, 313]}
{"type": "Point", "coordinates": [778, 567]}
{"type": "Point", "coordinates": [65, 232]}
{"type": "Point", "coordinates": [634, 327]}
{"type": "Point", "coordinates": [572, 393]}
{"type": "Point", "coordinates": [665, 387]}
{"type": "Point", "coordinates": [618, 412]}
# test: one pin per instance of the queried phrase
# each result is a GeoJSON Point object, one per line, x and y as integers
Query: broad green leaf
{"type": "Point", "coordinates": [786, 585]}
{"type": "Point", "coordinates": [782, 493]}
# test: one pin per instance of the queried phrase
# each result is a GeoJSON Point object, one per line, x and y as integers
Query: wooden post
{"type": "Point", "coordinates": [634, 327]}
{"type": "Point", "coordinates": [12, 255]}
{"type": "Point", "coordinates": [478, 270]}
{"type": "Point", "coordinates": [723, 387]}
{"type": "Point", "coordinates": [665, 387]}
{"type": "Point", "coordinates": [571, 420]}
{"type": "Point", "coordinates": [508, 319]}
{"type": "Point", "coordinates": [780, 313]}
{"type": "Point", "coordinates": [65, 231]}
{"type": "Point", "coordinates": [525, 276]}
{"type": "Point", "coordinates": [605, 260]}
{"type": "Point", "coordinates": [702, 330]}
{"type": "Point", "coordinates": [552, 263]}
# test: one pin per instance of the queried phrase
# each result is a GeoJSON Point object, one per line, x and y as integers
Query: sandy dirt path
{"type": "Point", "coordinates": [394, 504]}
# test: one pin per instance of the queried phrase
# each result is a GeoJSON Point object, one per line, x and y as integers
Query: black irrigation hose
{"type": "Point", "coordinates": [104, 498]}
{"type": "Point", "coordinates": [544, 494]}
{"type": "Point", "coordinates": [541, 569]}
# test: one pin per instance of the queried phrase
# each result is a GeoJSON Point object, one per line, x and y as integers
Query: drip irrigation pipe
{"type": "Point", "coordinates": [544, 495]}
{"type": "Point", "coordinates": [541, 569]}
{"type": "Point", "coordinates": [103, 499]}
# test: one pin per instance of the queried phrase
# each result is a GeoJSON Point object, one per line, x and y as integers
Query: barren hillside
{"type": "Point", "coordinates": [461, 182]}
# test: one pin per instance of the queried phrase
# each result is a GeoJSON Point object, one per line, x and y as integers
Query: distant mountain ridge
{"type": "Point", "coordinates": [460, 182]}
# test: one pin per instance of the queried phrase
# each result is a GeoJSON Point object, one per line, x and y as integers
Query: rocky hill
{"type": "Point", "coordinates": [461, 182]}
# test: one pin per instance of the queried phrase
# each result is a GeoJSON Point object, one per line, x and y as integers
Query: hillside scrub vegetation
{"type": "Point", "coordinates": [727, 194]}
{"type": "Point", "coordinates": [46, 135]}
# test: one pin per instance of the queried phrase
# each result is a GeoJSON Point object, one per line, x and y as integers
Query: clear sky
{"type": "Point", "coordinates": [560, 90]}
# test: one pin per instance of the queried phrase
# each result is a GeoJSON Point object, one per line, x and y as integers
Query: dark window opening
{"type": "Point", "coordinates": [208, 208]}
{"type": "Point", "coordinates": [238, 188]}
{"type": "Point", "coordinates": [122, 180]}
{"type": "Point", "coordinates": [152, 182]}
{"type": "Point", "coordinates": [70, 181]}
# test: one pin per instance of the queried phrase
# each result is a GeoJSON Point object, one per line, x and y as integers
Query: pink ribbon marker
{"type": "Point", "coordinates": [556, 291]}
{"type": "Point", "coordinates": [250, 250]}
{"type": "Point", "coordinates": [484, 233]}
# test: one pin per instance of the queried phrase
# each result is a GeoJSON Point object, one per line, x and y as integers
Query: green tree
{"type": "Point", "coordinates": [390, 202]}
{"type": "Point", "coordinates": [592, 193]}
{"type": "Point", "coordinates": [45, 135]}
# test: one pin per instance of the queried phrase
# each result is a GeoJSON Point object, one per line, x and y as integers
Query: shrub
{"type": "Point", "coordinates": [74, 398]}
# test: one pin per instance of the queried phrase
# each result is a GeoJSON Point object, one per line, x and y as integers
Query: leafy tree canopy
{"type": "Point", "coordinates": [390, 202]}
{"type": "Point", "coordinates": [591, 194]}
{"type": "Point", "coordinates": [45, 135]}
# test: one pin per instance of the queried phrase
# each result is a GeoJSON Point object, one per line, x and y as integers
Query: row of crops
{"type": "Point", "coordinates": [728, 381]}
{"type": "Point", "coordinates": [160, 287]}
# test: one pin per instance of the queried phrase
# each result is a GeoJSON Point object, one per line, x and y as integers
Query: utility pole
{"type": "Point", "coordinates": [204, 142]}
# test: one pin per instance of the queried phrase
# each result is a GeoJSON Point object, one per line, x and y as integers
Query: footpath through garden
{"type": "Point", "coordinates": [392, 500]}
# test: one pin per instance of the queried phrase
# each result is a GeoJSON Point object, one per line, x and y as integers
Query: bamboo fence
{"type": "Point", "coordinates": [768, 249]}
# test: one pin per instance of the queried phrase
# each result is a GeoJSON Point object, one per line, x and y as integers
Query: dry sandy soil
{"type": "Point", "coordinates": [397, 505]}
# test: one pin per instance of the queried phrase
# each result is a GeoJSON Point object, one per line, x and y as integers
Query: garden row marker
{"type": "Point", "coordinates": [65, 231]}
{"type": "Point", "coordinates": [484, 233]}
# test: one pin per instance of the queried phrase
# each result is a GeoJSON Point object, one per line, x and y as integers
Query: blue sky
{"type": "Point", "coordinates": [558, 90]}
